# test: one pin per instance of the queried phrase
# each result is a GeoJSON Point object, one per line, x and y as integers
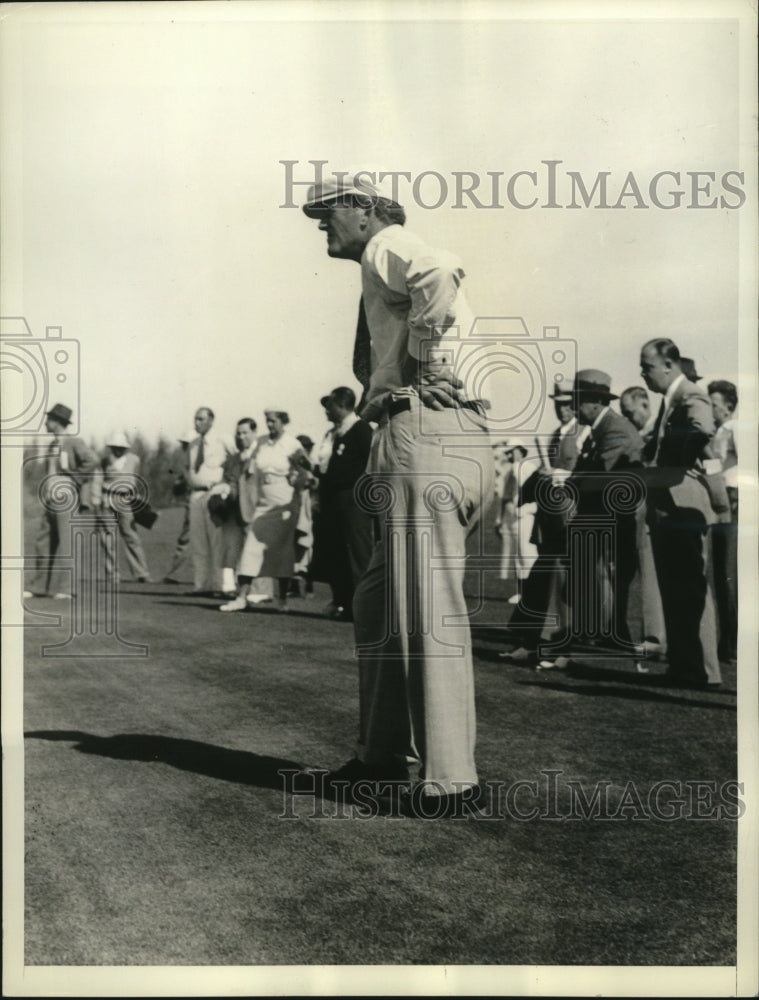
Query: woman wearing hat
{"type": "Point", "coordinates": [269, 550]}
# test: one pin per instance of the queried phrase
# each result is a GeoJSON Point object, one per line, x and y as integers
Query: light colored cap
{"type": "Point", "coordinates": [368, 182]}
{"type": "Point", "coordinates": [117, 440]}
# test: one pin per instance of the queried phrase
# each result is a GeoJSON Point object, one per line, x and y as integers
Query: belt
{"type": "Point", "coordinates": [199, 489]}
{"type": "Point", "coordinates": [403, 404]}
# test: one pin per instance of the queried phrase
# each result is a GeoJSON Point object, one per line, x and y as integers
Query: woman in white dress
{"type": "Point", "coordinates": [269, 550]}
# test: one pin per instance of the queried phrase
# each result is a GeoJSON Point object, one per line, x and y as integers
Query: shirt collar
{"type": "Point", "coordinates": [600, 417]}
{"type": "Point", "coordinates": [672, 389]}
{"type": "Point", "coordinates": [346, 423]}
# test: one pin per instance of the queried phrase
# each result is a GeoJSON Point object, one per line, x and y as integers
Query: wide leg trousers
{"type": "Point", "coordinates": [426, 479]}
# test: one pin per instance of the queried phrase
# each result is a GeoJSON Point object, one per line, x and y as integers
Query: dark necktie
{"type": "Point", "coordinates": [587, 446]}
{"type": "Point", "coordinates": [200, 457]}
{"type": "Point", "coordinates": [362, 350]}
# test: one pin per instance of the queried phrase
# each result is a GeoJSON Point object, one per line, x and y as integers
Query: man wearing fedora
{"type": "Point", "coordinates": [612, 445]}
{"type": "Point", "coordinates": [120, 468]}
{"type": "Point", "coordinates": [680, 510]}
{"type": "Point", "coordinates": [70, 466]}
{"type": "Point", "coordinates": [416, 685]}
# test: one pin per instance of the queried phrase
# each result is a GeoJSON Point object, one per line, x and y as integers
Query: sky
{"type": "Point", "coordinates": [142, 201]}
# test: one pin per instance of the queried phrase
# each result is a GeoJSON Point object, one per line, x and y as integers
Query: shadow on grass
{"type": "Point", "coordinates": [240, 766]}
{"type": "Point", "coordinates": [634, 690]}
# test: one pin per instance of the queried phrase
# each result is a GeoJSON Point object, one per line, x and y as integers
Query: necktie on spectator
{"type": "Point", "coordinates": [653, 445]}
{"type": "Point", "coordinates": [200, 457]}
{"type": "Point", "coordinates": [362, 351]}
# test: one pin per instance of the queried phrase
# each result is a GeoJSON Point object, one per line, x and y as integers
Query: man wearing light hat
{"type": "Point", "coordinates": [120, 470]}
{"type": "Point", "coordinates": [70, 464]}
{"type": "Point", "coordinates": [416, 689]}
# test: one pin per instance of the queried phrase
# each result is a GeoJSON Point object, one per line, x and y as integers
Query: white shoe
{"type": "Point", "coordinates": [514, 599]}
{"type": "Point", "coordinates": [560, 663]}
{"type": "Point", "coordinates": [259, 599]}
{"type": "Point", "coordinates": [61, 597]}
{"type": "Point", "coordinates": [238, 604]}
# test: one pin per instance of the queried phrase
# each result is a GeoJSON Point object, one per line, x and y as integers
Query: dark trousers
{"type": "Point", "coordinates": [345, 543]}
{"type": "Point", "coordinates": [679, 544]}
{"type": "Point", "coordinates": [725, 563]}
{"type": "Point", "coordinates": [529, 616]}
{"type": "Point", "coordinates": [52, 547]}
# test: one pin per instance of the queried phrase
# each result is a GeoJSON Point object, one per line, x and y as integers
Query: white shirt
{"type": "Point", "coordinates": [412, 295]}
{"type": "Point", "coordinates": [215, 452]}
{"type": "Point", "coordinates": [723, 445]}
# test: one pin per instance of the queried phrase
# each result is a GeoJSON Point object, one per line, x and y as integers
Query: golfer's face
{"type": "Point", "coordinates": [345, 226]}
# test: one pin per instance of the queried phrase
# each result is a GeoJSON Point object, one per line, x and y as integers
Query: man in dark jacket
{"type": "Point", "coordinates": [67, 489]}
{"type": "Point", "coordinates": [606, 507]}
{"type": "Point", "coordinates": [680, 509]}
{"type": "Point", "coordinates": [345, 531]}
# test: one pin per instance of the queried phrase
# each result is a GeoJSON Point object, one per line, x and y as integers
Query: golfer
{"type": "Point", "coordinates": [417, 712]}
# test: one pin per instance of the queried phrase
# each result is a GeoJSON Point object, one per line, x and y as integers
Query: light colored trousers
{"type": "Point", "coordinates": [427, 476]}
{"type": "Point", "coordinates": [652, 611]}
{"type": "Point", "coordinates": [109, 521]}
{"type": "Point", "coordinates": [205, 544]}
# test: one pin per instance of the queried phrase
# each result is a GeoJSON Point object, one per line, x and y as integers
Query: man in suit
{"type": "Point", "coordinates": [68, 487]}
{"type": "Point", "coordinates": [120, 467]}
{"type": "Point", "coordinates": [238, 494]}
{"type": "Point", "coordinates": [233, 500]}
{"type": "Point", "coordinates": [680, 512]}
{"type": "Point", "coordinates": [611, 446]}
{"type": "Point", "coordinates": [345, 529]}
{"type": "Point", "coordinates": [206, 457]}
